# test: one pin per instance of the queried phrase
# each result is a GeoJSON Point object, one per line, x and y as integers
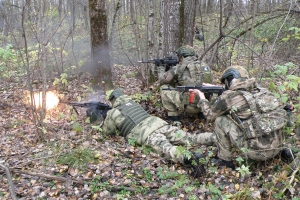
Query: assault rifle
{"type": "Point", "coordinates": [167, 62]}
{"type": "Point", "coordinates": [96, 109]}
{"type": "Point", "coordinates": [207, 90]}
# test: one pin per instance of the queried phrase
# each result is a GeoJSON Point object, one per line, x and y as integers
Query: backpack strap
{"type": "Point", "coordinates": [250, 98]}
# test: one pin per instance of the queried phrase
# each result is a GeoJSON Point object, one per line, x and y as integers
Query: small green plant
{"type": "Point", "coordinates": [77, 157]}
{"type": "Point", "coordinates": [96, 184]}
{"type": "Point", "coordinates": [216, 192]}
{"type": "Point", "coordinates": [51, 184]}
{"type": "Point", "coordinates": [77, 127]}
{"type": "Point", "coordinates": [148, 174]}
{"type": "Point", "coordinates": [132, 142]}
{"type": "Point", "coordinates": [243, 194]}
{"type": "Point", "coordinates": [8, 60]}
{"type": "Point", "coordinates": [240, 160]}
{"type": "Point", "coordinates": [97, 128]}
{"type": "Point", "coordinates": [147, 149]}
{"type": "Point", "coordinates": [88, 89]}
{"type": "Point", "coordinates": [163, 189]}
{"type": "Point", "coordinates": [243, 170]}
{"type": "Point", "coordinates": [61, 80]}
{"type": "Point", "coordinates": [180, 150]}
{"type": "Point", "coordinates": [138, 97]}
{"type": "Point", "coordinates": [165, 173]}
{"type": "Point", "coordinates": [123, 194]}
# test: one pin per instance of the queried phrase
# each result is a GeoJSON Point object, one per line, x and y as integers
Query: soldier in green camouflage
{"type": "Point", "coordinates": [135, 123]}
{"type": "Point", "coordinates": [235, 120]}
{"type": "Point", "coordinates": [190, 71]}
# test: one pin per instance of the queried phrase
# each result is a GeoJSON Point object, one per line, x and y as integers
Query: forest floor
{"type": "Point", "coordinates": [76, 161]}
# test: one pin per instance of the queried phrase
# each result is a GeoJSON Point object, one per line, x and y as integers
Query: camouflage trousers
{"type": "Point", "coordinates": [165, 139]}
{"type": "Point", "coordinates": [172, 100]}
{"type": "Point", "coordinates": [228, 133]}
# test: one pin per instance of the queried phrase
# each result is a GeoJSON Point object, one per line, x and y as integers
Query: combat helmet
{"type": "Point", "coordinates": [115, 94]}
{"type": "Point", "coordinates": [235, 71]}
{"type": "Point", "coordinates": [185, 51]}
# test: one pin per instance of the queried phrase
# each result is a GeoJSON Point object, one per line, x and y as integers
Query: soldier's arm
{"type": "Point", "coordinates": [109, 126]}
{"type": "Point", "coordinates": [169, 76]}
{"type": "Point", "coordinates": [211, 112]}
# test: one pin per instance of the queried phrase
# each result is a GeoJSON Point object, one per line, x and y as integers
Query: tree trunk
{"type": "Point", "coordinates": [189, 16]}
{"type": "Point", "coordinates": [250, 53]}
{"type": "Point", "coordinates": [113, 27]}
{"type": "Point", "coordinates": [178, 24]}
{"type": "Point", "coordinates": [101, 65]}
{"type": "Point", "coordinates": [43, 39]}
{"type": "Point", "coordinates": [171, 24]}
{"type": "Point", "coordinates": [73, 13]}
{"type": "Point", "coordinates": [150, 31]}
{"type": "Point", "coordinates": [136, 30]}
{"type": "Point", "coordinates": [161, 30]}
{"type": "Point", "coordinates": [60, 8]}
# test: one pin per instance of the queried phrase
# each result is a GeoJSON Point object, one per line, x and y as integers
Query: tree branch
{"type": "Point", "coordinates": [11, 185]}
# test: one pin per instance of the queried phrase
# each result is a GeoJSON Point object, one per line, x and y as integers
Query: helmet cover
{"type": "Point", "coordinates": [185, 51]}
{"type": "Point", "coordinates": [235, 71]}
{"type": "Point", "coordinates": [116, 93]}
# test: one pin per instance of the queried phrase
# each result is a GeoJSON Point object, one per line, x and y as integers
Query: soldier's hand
{"type": "Point", "coordinates": [198, 93]}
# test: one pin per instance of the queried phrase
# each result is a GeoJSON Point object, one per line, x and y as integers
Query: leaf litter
{"type": "Point", "coordinates": [103, 167]}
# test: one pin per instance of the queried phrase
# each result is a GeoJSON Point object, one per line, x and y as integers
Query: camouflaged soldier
{"type": "Point", "coordinates": [135, 123]}
{"type": "Point", "coordinates": [245, 115]}
{"type": "Point", "coordinates": [190, 71]}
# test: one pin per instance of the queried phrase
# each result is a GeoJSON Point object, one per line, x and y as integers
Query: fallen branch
{"type": "Point", "coordinates": [47, 176]}
{"type": "Point", "coordinates": [291, 180]}
{"type": "Point", "coordinates": [11, 185]}
{"type": "Point", "coordinates": [70, 180]}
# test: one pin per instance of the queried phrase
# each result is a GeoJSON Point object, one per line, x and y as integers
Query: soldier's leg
{"type": "Point", "coordinates": [227, 133]}
{"type": "Point", "coordinates": [161, 144]}
{"type": "Point", "coordinates": [170, 101]}
{"type": "Point", "coordinates": [180, 137]}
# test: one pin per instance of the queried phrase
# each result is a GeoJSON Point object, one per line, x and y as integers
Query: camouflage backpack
{"type": "Point", "coordinates": [195, 73]}
{"type": "Point", "coordinates": [267, 115]}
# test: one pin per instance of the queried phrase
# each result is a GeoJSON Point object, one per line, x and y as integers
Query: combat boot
{"type": "Point", "coordinates": [201, 115]}
{"type": "Point", "coordinates": [198, 169]}
{"type": "Point", "coordinates": [175, 120]}
{"type": "Point", "coordinates": [287, 155]}
{"type": "Point", "coordinates": [228, 164]}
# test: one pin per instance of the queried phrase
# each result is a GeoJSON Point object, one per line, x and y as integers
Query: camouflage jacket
{"type": "Point", "coordinates": [140, 132]}
{"type": "Point", "coordinates": [189, 72]}
{"type": "Point", "coordinates": [233, 100]}
{"type": "Point", "coordinates": [228, 99]}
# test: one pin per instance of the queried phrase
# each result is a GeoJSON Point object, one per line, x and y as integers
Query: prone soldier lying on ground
{"type": "Point", "coordinates": [135, 123]}
{"type": "Point", "coordinates": [247, 116]}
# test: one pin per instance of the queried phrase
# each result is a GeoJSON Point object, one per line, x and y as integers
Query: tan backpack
{"type": "Point", "coordinates": [267, 115]}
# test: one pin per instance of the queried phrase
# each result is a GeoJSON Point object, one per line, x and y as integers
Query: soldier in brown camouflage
{"type": "Point", "coordinates": [190, 71]}
{"type": "Point", "coordinates": [232, 115]}
{"type": "Point", "coordinates": [135, 123]}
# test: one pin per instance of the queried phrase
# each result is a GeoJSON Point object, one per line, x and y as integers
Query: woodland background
{"type": "Point", "coordinates": [79, 49]}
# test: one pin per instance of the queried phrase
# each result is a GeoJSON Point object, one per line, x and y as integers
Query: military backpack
{"type": "Point", "coordinates": [267, 115]}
